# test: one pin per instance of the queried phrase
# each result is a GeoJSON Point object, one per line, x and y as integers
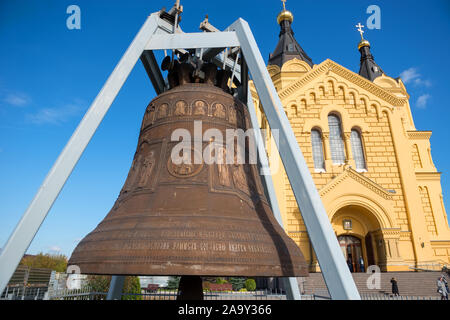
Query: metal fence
{"type": "Point", "coordinates": [391, 297]}
{"type": "Point", "coordinates": [46, 293]}
{"type": "Point", "coordinates": [76, 294]}
{"type": "Point", "coordinates": [24, 293]}
{"type": "Point", "coordinates": [162, 294]}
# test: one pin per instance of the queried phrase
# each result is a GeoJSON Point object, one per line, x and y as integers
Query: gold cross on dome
{"type": "Point", "coordinates": [360, 26]}
{"type": "Point", "coordinates": [284, 4]}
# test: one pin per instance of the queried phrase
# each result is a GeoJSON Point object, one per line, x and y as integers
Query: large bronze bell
{"type": "Point", "coordinates": [190, 218]}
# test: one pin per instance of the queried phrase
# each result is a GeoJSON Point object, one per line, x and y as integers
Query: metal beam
{"type": "Point", "coordinates": [29, 224]}
{"type": "Point", "coordinates": [164, 27]}
{"type": "Point", "coordinates": [243, 88]}
{"type": "Point", "coordinates": [115, 288]}
{"type": "Point", "coordinates": [193, 40]}
{"type": "Point", "coordinates": [151, 66]}
{"type": "Point", "coordinates": [332, 263]}
{"type": "Point", "coordinates": [291, 284]}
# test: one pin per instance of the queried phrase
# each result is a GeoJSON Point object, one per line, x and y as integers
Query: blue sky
{"type": "Point", "coordinates": [49, 75]}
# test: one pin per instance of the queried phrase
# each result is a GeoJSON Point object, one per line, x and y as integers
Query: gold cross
{"type": "Point", "coordinates": [360, 26]}
{"type": "Point", "coordinates": [284, 4]}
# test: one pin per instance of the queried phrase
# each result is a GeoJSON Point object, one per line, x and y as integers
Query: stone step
{"type": "Point", "coordinates": [409, 283]}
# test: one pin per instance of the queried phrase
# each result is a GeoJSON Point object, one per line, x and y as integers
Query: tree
{"type": "Point", "coordinates": [250, 285]}
{"type": "Point", "coordinates": [99, 283]}
{"type": "Point", "coordinates": [132, 284]}
{"type": "Point", "coordinates": [238, 283]}
{"type": "Point", "coordinates": [56, 262]}
{"type": "Point", "coordinates": [221, 281]}
{"type": "Point", "coordinates": [173, 283]}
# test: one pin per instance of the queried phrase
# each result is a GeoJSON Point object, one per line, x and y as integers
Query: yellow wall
{"type": "Point", "coordinates": [398, 199]}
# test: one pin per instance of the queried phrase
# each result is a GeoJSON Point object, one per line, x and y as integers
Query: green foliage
{"type": "Point", "coordinates": [132, 285]}
{"type": "Point", "coordinates": [173, 283]}
{"type": "Point", "coordinates": [250, 285]}
{"type": "Point", "coordinates": [98, 283]}
{"type": "Point", "coordinates": [238, 283]}
{"type": "Point", "coordinates": [57, 262]}
{"type": "Point", "coordinates": [101, 284]}
{"type": "Point", "coordinates": [221, 281]}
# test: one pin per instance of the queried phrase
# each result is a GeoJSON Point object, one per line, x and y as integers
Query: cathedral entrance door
{"type": "Point", "coordinates": [352, 250]}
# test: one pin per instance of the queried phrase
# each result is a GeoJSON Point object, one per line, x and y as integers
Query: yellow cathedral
{"type": "Point", "coordinates": [372, 168]}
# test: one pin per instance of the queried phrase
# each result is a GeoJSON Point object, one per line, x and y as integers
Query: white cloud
{"type": "Point", "coordinates": [54, 115]}
{"type": "Point", "coordinates": [422, 101]}
{"type": "Point", "coordinates": [421, 82]}
{"type": "Point", "coordinates": [55, 249]}
{"type": "Point", "coordinates": [17, 99]}
{"type": "Point", "coordinates": [412, 76]}
{"type": "Point", "coordinates": [409, 74]}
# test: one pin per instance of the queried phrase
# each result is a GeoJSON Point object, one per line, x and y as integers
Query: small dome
{"type": "Point", "coordinates": [363, 43]}
{"type": "Point", "coordinates": [285, 15]}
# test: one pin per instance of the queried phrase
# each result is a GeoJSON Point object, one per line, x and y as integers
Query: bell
{"type": "Point", "coordinates": [190, 218]}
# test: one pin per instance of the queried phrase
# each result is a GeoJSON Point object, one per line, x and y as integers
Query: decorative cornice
{"type": "Point", "coordinates": [442, 242]}
{"type": "Point", "coordinates": [419, 135]}
{"type": "Point", "coordinates": [391, 233]}
{"type": "Point", "coordinates": [350, 173]}
{"type": "Point", "coordinates": [405, 235]}
{"type": "Point", "coordinates": [331, 66]}
{"type": "Point", "coordinates": [428, 175]}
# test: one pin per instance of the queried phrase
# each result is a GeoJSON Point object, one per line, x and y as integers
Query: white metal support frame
{"type": "Point", "coordinates": [331, 260]}
{"type": "Point", "coordinates": [150, 37]}
{"type": "Point", "coordinates": [115, 288]}
{"type": "Point", "coordinates": [293, 292]}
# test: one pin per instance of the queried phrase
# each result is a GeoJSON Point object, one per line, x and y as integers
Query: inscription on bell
{"type": "Point", "coordinates": [184, 246]}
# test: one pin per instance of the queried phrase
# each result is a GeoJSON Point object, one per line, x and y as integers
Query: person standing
{"type": "Point", "coordinates": [445, 282]}
{"type": "Point", "coordinates": [442, 289]}
{"type": "Point", "coordinates": [361, 263]}
{"type": "Point", "coordinates": [350, 264]}
{"type": "Point", "coordinates": [394, 287]}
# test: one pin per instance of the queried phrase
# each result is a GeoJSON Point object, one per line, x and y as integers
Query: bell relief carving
{"type": "Point", "coordinates": [147, 168]}
{"type": "Point", "coordinates": [200, 108]}
{"type": "Point", "coordinates": [222, 167]}
{"type": "Point", "coordinates": [180, 108]}
{"type": "Point", "coordinates": [219, 110]}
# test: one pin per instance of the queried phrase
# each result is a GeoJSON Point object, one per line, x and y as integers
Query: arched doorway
{"type": "Point", "coordinates": [358, 233]}
{"type": "Point", "coordinates": [353, 252]}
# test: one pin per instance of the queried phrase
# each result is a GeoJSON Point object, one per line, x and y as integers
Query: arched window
{"type": "Point", "coordinates": [357, 150]}
{"type": "Point", "coordinates": [336, 142]}
{"type": "Point", "coordinates": [317, 150]}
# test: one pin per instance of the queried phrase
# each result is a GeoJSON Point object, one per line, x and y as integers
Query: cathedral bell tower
{"type": "Point", "coordinates": [368, 67]}
{"type": "Point", "coordinates": [287, 47]}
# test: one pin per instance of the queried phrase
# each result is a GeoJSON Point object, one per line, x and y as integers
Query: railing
{"type": "Point", "coordinates": [24, 293]}
{"type": "Point", "coordinates": [76, 294]}
{"type": "Point", "coordinates": [436, 265]}
{"type": "Point", "coordinates": [20, 293]}
{"type": "Point", "coordinates": [391, 297]}
{"type": "Point", "coordinates": [162, 294]}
